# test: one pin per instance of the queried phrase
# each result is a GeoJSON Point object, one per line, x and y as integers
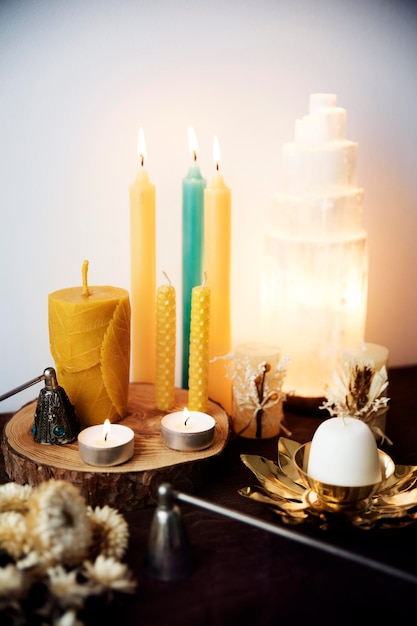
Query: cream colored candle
{"type": "Point", "coordinates": [199, 347]}
{"type": "Point", "coordinates": [217, 242]}
{"type": "Point", "coordinates": [257, 390]}
{"type": "Point", "coordinates": [165, 347]}
{"type": "Point", "coordinates": [142, 258]}
{"type": "Point", "coordinates": [366, 353]}
{"type": "Point", "coordinates": [89, 333]}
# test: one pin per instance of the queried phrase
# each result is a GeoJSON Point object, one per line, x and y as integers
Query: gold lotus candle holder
{"type": "Point", "coordinates": [296, 499]}
{"type": "Point", "coordinates": [338, 498]}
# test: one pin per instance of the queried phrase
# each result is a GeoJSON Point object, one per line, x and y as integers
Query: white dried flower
{"type": "Point", "coordinates": [14, 497]}
{"type": "Point", "coordinates": [110, 574]}
{"type": "Point", "coordinates": [64, 586]}
{"type": "Point", "coordinates": [69, 618]}
{"type": "Point", "coordinates": [110, 532]}
{"type": "Point", "coordinates": [12, 583]}
{"type": "Point", "coordinates": [358, 391]}
{"type": "Point", "coordinates": [59, 522]}
{"type": "Point", "coordinates": [14, 538]}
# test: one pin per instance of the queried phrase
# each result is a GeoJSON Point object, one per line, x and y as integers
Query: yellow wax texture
{"type": "Point", "coordinates": [165, 347]}
{"type": "Point", "coordinates": [216, 265]}
{"type": "Point", "coordinates": [90, 343]}
{"type": "Point", "coordinates": [199, 347]}
{"type": "Point", "coordinates": [142, 270]}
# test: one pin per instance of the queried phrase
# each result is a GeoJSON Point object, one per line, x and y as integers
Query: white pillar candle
{"type": "Point", "coordinates": [344, 452]}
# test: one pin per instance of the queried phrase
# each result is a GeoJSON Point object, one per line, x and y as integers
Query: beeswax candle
{"type": "Point", "coordinates": [192, 244]}
{"type": "Point", "coordinates": [165, 347]}
{"type": "Point", "coordinates": [89, 334]}
{"type": "Point", "coordinates": [199, 346]}
{"type": "Point", "coordinates": [216, 265]}
{"type": "Point", "coordinates": [142, 270]}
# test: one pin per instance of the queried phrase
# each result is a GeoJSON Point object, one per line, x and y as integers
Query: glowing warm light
{"type": "Point", "coordinates": [315, 278]}
{"type": "Point", "coordinates": [106, 429]}
{"type": "Point", "coordinates": [141, 146]}
{"type": "Point", "coordinates": [216, 152]}
{"type": "Point", "coordinates": [192, 142]}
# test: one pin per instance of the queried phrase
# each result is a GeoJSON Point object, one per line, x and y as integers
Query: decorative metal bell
{"type": "Point", "coordinates": [55, 420]}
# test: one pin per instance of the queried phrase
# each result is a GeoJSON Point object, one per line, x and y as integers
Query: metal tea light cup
{"type": "Point", "coordinates": [338, 497]}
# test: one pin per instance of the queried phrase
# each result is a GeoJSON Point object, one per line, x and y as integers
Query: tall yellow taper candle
{"type": "Point", "coordinates": [217, 242]}
{"type": "Point", "coordinates": [142, 268]}
{"type": "Point", "coordinates": [89, 334]}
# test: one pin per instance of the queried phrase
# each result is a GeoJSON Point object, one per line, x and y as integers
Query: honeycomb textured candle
{"type": "Point", "coordinates": [199, 349]}
{"type": "Point", "coordinates": [90, 344]}
{"type": "Point", "coordinates": [165, 347]}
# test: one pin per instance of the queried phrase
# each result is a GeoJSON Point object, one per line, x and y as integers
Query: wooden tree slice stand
{"type": "Point", "coordinates": [132, 485]}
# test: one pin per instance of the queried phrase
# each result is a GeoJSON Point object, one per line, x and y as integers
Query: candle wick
{"type": "Point", "coordinates": [186, 419]}
{"type": "Point", "coordinates": [105, 436]}
{"type": "Point", "coordinates": [167, 277]}
{"type": "Point", "coordinates": [195, 155]}
{"type": "Point", "coordinates": [142, 160]}
{"type": "Point", "coordinates": [84, 271]}
{"type": "Point", "coordinates": [217, 167]}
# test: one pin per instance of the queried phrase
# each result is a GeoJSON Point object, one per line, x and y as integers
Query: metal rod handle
{"type": "Point", "coordinates": [38, 379]}
{"type": "Point", "coordinates": [289, 534]}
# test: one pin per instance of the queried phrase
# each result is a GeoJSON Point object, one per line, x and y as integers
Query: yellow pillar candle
{"type": "Point", "coordinates": [165, 347]}
{"type": "Point", "coordinates": [199, 346]}
{"type": "Point", "coordinates": [89, 334]}
{"type": "Point", "coordinates": [217, 236]}
{"type": "Point", "coordinates": [142, 269]}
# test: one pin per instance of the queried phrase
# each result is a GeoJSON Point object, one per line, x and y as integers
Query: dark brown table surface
{"type": "Point", "coordinates": [245, 575]}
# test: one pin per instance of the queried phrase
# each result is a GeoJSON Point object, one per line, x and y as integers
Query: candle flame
{"type": "Point", "coordinates": [192, 142]}
{"type": "Point", "coordinates": [141, 146]}
{"type": "Point", "coordinates": [186, 416]}
{"type": "Point", "coordinates": [106, 429]}
{"type": "Point", "coordinates": [216, 152]}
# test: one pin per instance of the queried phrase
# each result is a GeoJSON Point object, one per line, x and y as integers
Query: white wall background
{"type": "Point", "coordinates": [78, 78]}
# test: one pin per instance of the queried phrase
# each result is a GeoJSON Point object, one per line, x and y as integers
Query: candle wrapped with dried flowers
{"type": "Point", "coordinates": [257, 372]}
{"type": "Point", "coordinates": [359, 390]}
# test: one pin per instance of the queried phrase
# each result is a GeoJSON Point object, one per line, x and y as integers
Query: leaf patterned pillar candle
{"type": "Point", "coordinates": [89, 334]}
{"type": "Point", "coordinates": [165, 347]}
{"type": "Point", "coordinates": [199, 349]}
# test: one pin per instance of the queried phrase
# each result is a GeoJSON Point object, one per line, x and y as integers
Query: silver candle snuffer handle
{"type": "Point", "coordinates": [55, 420]}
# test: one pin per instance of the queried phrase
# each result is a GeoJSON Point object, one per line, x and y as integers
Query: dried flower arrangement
{"type": "Point", "coordinates": [57, 554]}
{"type": "Point", "coordinates": [359, 391]}
{"type": "Point", "coordinates": [257, 389]}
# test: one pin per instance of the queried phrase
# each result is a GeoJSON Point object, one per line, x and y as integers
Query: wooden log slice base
{"type": "Point", "coordinates": [132, 485]}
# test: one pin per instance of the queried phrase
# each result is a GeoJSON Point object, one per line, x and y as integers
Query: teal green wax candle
{"type": "Point", "coordinates": [193, 186]}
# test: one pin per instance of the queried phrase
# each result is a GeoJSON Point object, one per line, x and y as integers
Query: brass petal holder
{"type": "Point", "coordinates": [297, 498]}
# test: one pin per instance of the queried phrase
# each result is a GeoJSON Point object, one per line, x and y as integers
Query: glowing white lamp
{"type": "Point", "coordinates": [315, 278]}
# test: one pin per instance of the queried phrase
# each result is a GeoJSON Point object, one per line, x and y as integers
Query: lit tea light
{"type": "Point", "coordinates": [344, 452]}
{"type": "Point", "coordinates": [187, 431]}
{"type": "Point", "coordinates": [106, 444]}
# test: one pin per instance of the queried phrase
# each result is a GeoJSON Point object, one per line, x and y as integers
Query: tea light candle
{"type": "Point", "coordinates": [187, 430]}
{"type": "Point", "coordinates": [344, 452]}
{"type": "Point", "coordinates": [106, 444]}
